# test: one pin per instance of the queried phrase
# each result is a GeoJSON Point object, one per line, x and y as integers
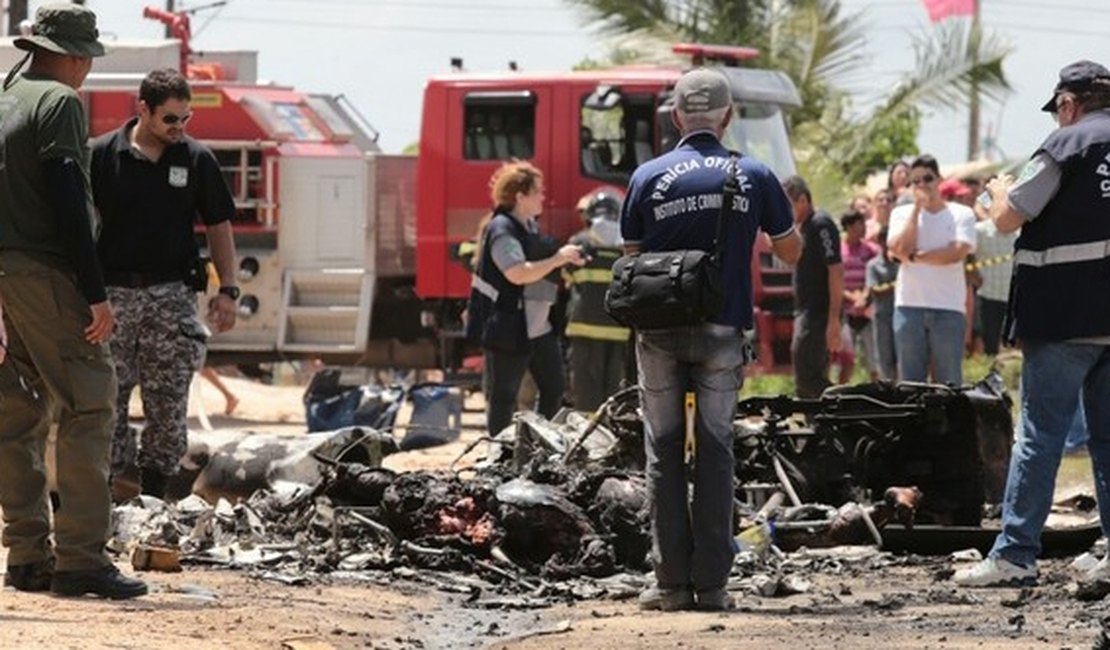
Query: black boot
{"type": "Point", "coordinates": [106, 582]}
{"type": "Point", "coordinates": [35, 576]}
{"type": "Point", "coordinates": [152, 482]}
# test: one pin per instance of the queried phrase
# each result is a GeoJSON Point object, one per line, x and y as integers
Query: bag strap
{"type": "Point", "coordinates": [728, 192]}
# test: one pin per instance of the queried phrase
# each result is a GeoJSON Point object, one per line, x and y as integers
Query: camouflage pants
{"type": "Point", "coordinates": [158, 344]}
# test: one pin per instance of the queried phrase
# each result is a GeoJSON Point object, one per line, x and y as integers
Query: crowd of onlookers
{"type": "Point", "coordinates": [923, 277]}
{"type": "Point", "coordinates": [903, 284]}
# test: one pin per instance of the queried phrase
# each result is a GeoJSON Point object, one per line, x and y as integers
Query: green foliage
{"type": "Point", "coordinates": [975, 368]}
{"type": "Point", "coordinates": [705, 21]}
{"type": "Point", "coordinates": [894, 138]}
{"type": "Point", "coordinates": [769, 384]}
{"type": "Point", "coordinates": [820, 47]}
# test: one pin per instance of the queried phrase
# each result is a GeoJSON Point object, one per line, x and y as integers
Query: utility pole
{"type": "Point", "coordinates": [169, 9]}
{"type": "Point", "coordinates": [973, 103]}
{"type": "Point", "coordinates": [17, 13]}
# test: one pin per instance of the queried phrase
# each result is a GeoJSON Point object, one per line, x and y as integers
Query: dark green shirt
{"type": "Point", "coordinates": [40, 119]}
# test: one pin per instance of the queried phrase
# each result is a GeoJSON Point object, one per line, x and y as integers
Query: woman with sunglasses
{"type": "Point", "coordinates": [150, 182]}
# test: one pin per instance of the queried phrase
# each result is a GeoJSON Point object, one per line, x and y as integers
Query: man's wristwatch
{"type": "Point", "coordinates": [230, 292]}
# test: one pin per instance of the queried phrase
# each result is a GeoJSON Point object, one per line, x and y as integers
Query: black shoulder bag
{"type": "Point", "coordinates": [672, 288]}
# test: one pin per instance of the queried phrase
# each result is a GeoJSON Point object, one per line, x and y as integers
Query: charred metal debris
{"type": "Point", "coordinates": [557, 509]}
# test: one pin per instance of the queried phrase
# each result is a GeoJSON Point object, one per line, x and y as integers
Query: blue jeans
{"type": "Point", "coordinates": [923, 335]}
{"type": "Point", "coordinates": [884, 346]}
{"type": "Point", "coordinates": [692, 545]}
{"type": "Point", "coordinates": [1077, 435]}
{"type": "Point", "coordinates": [1053, 376]}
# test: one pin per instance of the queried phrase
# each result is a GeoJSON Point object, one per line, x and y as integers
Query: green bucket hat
{"type": "Point", "coordinates": [64, 29]}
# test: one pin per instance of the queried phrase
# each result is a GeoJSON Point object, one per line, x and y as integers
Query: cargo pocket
{"type": "Point", "coordinates": [32, 296]}
{"type": "Point", "coordinates": [92, 379]}
{"type": "Point", "coordinates": [193, 341]}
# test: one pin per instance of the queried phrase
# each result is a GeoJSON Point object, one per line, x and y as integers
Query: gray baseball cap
{"type": "Point", "coordinates": [63, 28]}
{"type": "Point", "coordinates": [1078, 77]}
{"type": "Point", "coordinates": [702, 90]}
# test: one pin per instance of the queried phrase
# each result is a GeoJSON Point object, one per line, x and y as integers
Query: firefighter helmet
{"type": "Point", "coordinates": [604, 205]}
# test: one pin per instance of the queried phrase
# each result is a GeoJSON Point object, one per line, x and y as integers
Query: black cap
{"type": "Point", "coordinates": [1079, 77]}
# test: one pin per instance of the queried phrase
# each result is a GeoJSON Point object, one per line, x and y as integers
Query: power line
{"type": "Point", "coordinates": [989, 6]}
{"type": "Point", "coordinates": [399, 28]}
{"type": "Point", "coordinates": [424, 5]}
{"type": "Point", "coordinates": [1050, 30]}
{"type": "Point", "coordinates": [988, 25]}
{"type": "Point", "coordinates": [1054, 7]}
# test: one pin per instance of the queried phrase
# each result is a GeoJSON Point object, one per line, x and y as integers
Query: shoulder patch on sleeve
{"type": "Point", "coordinates": [1030, 169]}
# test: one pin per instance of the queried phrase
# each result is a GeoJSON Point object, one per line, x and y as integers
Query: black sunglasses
{"type": "Point", "coordinates": [169, 119]}
{"type": "Point", "coordinates": [924, 180]}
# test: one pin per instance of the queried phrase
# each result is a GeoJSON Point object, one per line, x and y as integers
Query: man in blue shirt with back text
{"type": "Point", "coordinates": [673, 203]}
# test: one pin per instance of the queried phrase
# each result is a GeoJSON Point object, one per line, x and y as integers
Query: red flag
{"type": "Point", "coordinates": [941, 9]}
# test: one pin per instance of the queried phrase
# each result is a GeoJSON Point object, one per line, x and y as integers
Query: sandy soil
{"type": "Point", "coordinates": [898, 604]}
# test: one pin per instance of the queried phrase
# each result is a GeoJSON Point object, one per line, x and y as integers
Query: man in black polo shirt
{"type": "Point", "coordinates": [150, 183]}
{"type": "Point", "coordinates": [818, 292]}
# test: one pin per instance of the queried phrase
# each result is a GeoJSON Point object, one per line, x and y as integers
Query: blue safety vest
{"type": "Point", "coordinates": [489, 288]}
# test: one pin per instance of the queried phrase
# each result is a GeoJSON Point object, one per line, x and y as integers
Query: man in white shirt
{"type": "Point", "coordinates": [932, 238]}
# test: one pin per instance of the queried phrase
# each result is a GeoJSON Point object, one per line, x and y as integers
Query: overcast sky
{"type": "Point", "coordinates": [379, 52]}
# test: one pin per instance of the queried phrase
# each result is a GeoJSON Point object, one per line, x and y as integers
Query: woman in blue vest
{"type": "Point", "coordinates": [512, 291]}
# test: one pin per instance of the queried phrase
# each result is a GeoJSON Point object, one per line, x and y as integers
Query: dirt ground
{"type": "Point", "coordinates": [874, 601]}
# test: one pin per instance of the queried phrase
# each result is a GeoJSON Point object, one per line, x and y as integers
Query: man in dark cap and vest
{"type": "Point", "coordinates": [56, 321]}
{"type": "Point", "coordinates": [1059, 310]}
{"type": "Point", "coordinates": [673, 203]}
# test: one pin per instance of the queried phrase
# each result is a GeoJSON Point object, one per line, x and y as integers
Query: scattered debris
{"type": "Point", "coordinates": [305, 643]}
{"type": "Point", "coordinates": [561, 627]}
{"type": "Point", "coordinates": [155, 558]}
{"type": "Point", "coordinates": [557, 511]}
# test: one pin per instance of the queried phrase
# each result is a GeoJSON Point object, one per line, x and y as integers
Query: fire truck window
{"type": "Point", "coordinates": [499, 130]}
{"type": "Point", "coordinates": [297, 121]}
{"type": "Point", "coordinates": [614, 141]}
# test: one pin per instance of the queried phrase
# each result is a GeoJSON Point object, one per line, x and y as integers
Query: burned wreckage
{"type": "Point", "coordinates": [555, 500]}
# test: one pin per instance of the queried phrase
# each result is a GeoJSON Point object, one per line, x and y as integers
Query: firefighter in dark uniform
{"type": "Point", "coordinates": [1059, 310]}
{"type": "Point", "coordinates": [598, 345]}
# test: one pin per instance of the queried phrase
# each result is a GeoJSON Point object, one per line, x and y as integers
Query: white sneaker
{"type": "Point", "coordinates": [1100, 571]}
{"type": "Point", "coordinates": [996, 572]}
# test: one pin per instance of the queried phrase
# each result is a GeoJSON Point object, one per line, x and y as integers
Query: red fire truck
{"type": "Point", "coordinates": [346, 253]}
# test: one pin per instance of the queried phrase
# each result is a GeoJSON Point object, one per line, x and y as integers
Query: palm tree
{"type": "Point", "coordinates": [822, 49]}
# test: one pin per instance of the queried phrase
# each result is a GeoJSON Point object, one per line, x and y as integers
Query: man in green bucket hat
{"type": "Point", "coordinates": [54, 363]}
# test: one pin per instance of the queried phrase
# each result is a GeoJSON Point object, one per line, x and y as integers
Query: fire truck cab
{"type": "Point", "coordinates": [584, 130]}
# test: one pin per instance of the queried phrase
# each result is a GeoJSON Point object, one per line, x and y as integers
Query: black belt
{"type": "Point", "coordinates": [131, 280]}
